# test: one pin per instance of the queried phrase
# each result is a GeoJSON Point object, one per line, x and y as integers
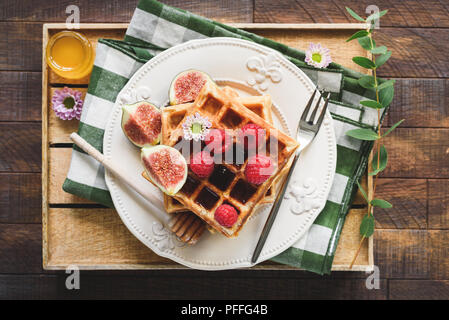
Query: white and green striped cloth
{"type": "Point", "coordinates": [155, 27]}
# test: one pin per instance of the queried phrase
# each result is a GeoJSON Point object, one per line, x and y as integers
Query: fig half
{"type": "Point", "coordinates": [166, 167]}
{"type": "Point", "coordinates": [142, 124]}
{"type": "Point", "coordinates": [186, 86]}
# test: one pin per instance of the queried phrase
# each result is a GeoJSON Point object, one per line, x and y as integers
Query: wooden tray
{"type": "Point", "coordinates": [79, 232]}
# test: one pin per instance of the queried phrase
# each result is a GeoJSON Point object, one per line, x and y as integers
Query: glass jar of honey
{"type": "Point", "coordinates": [69, 54]}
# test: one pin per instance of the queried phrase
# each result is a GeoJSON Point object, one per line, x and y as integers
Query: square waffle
{"type": "Point", "coordinates": [227, 184]}
{"type": "Point", "coordinates": [172, 116]}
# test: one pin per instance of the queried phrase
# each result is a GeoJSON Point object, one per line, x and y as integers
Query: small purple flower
{"type": "Point", "coordinates": [318, 56]}
{"type": "Point", "coordinates": [67, 103]}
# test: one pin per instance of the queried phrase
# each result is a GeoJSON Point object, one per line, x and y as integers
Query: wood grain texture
{"type": "Point", "coordinates": [422, 102]}
{"type": "Point", "coordinates": [119, 11]}
{"type": "Point", "coordinates": [439, 260]}
{"type": "Point", "coordinates": [20, 46]}
{"type": "Point", "coordinates": [20, 146]}
{"type": "Point", "coordinates": [20, 96]}
{"type": "Point", "coordinates": [403, 253]}
{"type": "Point", "coordinates": [21, 248]}
{"type": "Point", "coordinates": [418, 290]}
{"type": "Point", "coordinates": [20, 198]}
{"type": "Point", "coordinates": [417, 153]}
{"type": "Point", "coordinates": [413, 13]}
{"type": "Point", "coordinates": [409, 200]}
{"type": "Point", "coordinates": [417, 52]}
{"type": "Point", "coordinates": [439, 204]}
{"type": "Point", "coordinates": [58, 166]}
{"type": "Point", "coordinates": [203, 287]}
{"type": "Point", "coordinates": [349, 241]}
{"type": "Point", "coordinates": [91, 237]}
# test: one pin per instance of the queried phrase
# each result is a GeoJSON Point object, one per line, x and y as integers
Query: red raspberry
{"type": "Point", "coordinates": [218, 140]}
{"type": "Point", "coordinates": [250, 136]}
{"type": "Point", "coordinates": [226, 215]}
{"type": "Point", "coordinates": [202, 164]}
{"type": "Point", "coordinates": [259, 169]}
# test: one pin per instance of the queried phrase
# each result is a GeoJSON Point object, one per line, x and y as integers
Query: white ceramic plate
{"type": "Point", "coordinates": [250, 68]}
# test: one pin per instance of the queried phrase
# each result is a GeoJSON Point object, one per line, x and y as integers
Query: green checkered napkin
{"type": "Point", "coordinates": [155, 27]}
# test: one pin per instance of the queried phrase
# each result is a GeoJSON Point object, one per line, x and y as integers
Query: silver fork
{"type": "Point", "coordinates": [305, 133]}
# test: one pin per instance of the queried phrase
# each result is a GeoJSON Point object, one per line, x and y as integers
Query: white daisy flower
{"type": "Point", "coordinates": [318, 56]}
{"type": "Point", "coordinates": [196, 127]}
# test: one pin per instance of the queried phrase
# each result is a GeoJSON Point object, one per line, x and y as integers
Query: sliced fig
{"type": "Point", "coordinates": [186, 86]}
{"type": "Point", "coordinates": [166, 167]}
{"type": "Point", "coordinates": [142, 124]}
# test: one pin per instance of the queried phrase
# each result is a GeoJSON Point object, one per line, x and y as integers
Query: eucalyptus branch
{"type": "Point", "coordinates": [384, 92]}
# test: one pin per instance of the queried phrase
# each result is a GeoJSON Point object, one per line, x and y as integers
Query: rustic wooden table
{"type": "Point", "coordinates": [411, 240]}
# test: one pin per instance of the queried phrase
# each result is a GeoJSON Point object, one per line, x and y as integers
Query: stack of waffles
{"type": "Point", "coordinates": [227, 184]}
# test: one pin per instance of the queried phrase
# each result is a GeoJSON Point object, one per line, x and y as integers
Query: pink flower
{"type": "Point", "coordinates": [318, 56]}
{"type": "Point", "coordinates": [67, 103]}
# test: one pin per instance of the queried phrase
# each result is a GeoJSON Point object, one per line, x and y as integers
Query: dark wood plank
{"type": "Point", "coordinates": [439, 204]}
{"type": "Point", "coordinates": [417, 52]}
{"type": "Point", "coordinates": [402, 254]}
{"type": "Point", "coordinates": [119, 11]}
{"type": "Point", "coordinates": [417, 153]}
{"type": "Point", "coordinates": [14, 287]}
{"type": "Point", "coordinates": [422, 102]}
{"type": "Point", "coordinates": [20, 146]}
{"type": "Point", "coordinates": [21, 249]}
{"type": "Point", "coordinates": [439, 262]}
{"type": "Point", "coordinates": [418, 289]}
{"type": "Point", "coordinates": [21, 46]}
{"type": "Point", "coordinates": [409, 199]}
{"type": "Point", "coordinates": [20, 96]}
{"type": "Point", "coordinates": [20, 198]}
{"type": "Point", "coordinates": [413, 13]}
{"type": "Point", "coordinates": [204, 287]}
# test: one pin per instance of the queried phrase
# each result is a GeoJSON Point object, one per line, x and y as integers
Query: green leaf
{"type": "Point", "coordinates": [362, 191]}
{"type": "Point", "coordinates": [381, 204]}
{"type": "Point", "coordinates": [364, 62]}
{"type": "Point", "coordinates": [376, 15]}
{"type": "Point", "coordinates": [365, 43]}
{"type": "Point", "coordinates": [382, 159]}
{"type": "Point", "coordinates": [386, 96]}
{"type": "Point", "coordinates": [367, 226]}
{"type": "Point", "coordinates": [380, 60]}
{"type": "Point", "coordinates": [379, 50]}
{"type": "Point", "coordinates": [386, 84]}
{"type": "Point", "coordinates": [371, 104]}
{"type": "Point", "coordinates": [392, 128]}
{"type": "Point", "coordinates": [358, 34]}
{"type": "Point", "coordinates": [363, 134]}
{"type": "Point", "coordinates": [354, 15]}
{"type": "Point", "coordinates": [366, 82]}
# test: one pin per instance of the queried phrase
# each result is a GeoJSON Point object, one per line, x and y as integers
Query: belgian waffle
{"type": "Point", "coordinates": [261, 105]}
{"type": "Point", "coordinates": [227, 184]}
